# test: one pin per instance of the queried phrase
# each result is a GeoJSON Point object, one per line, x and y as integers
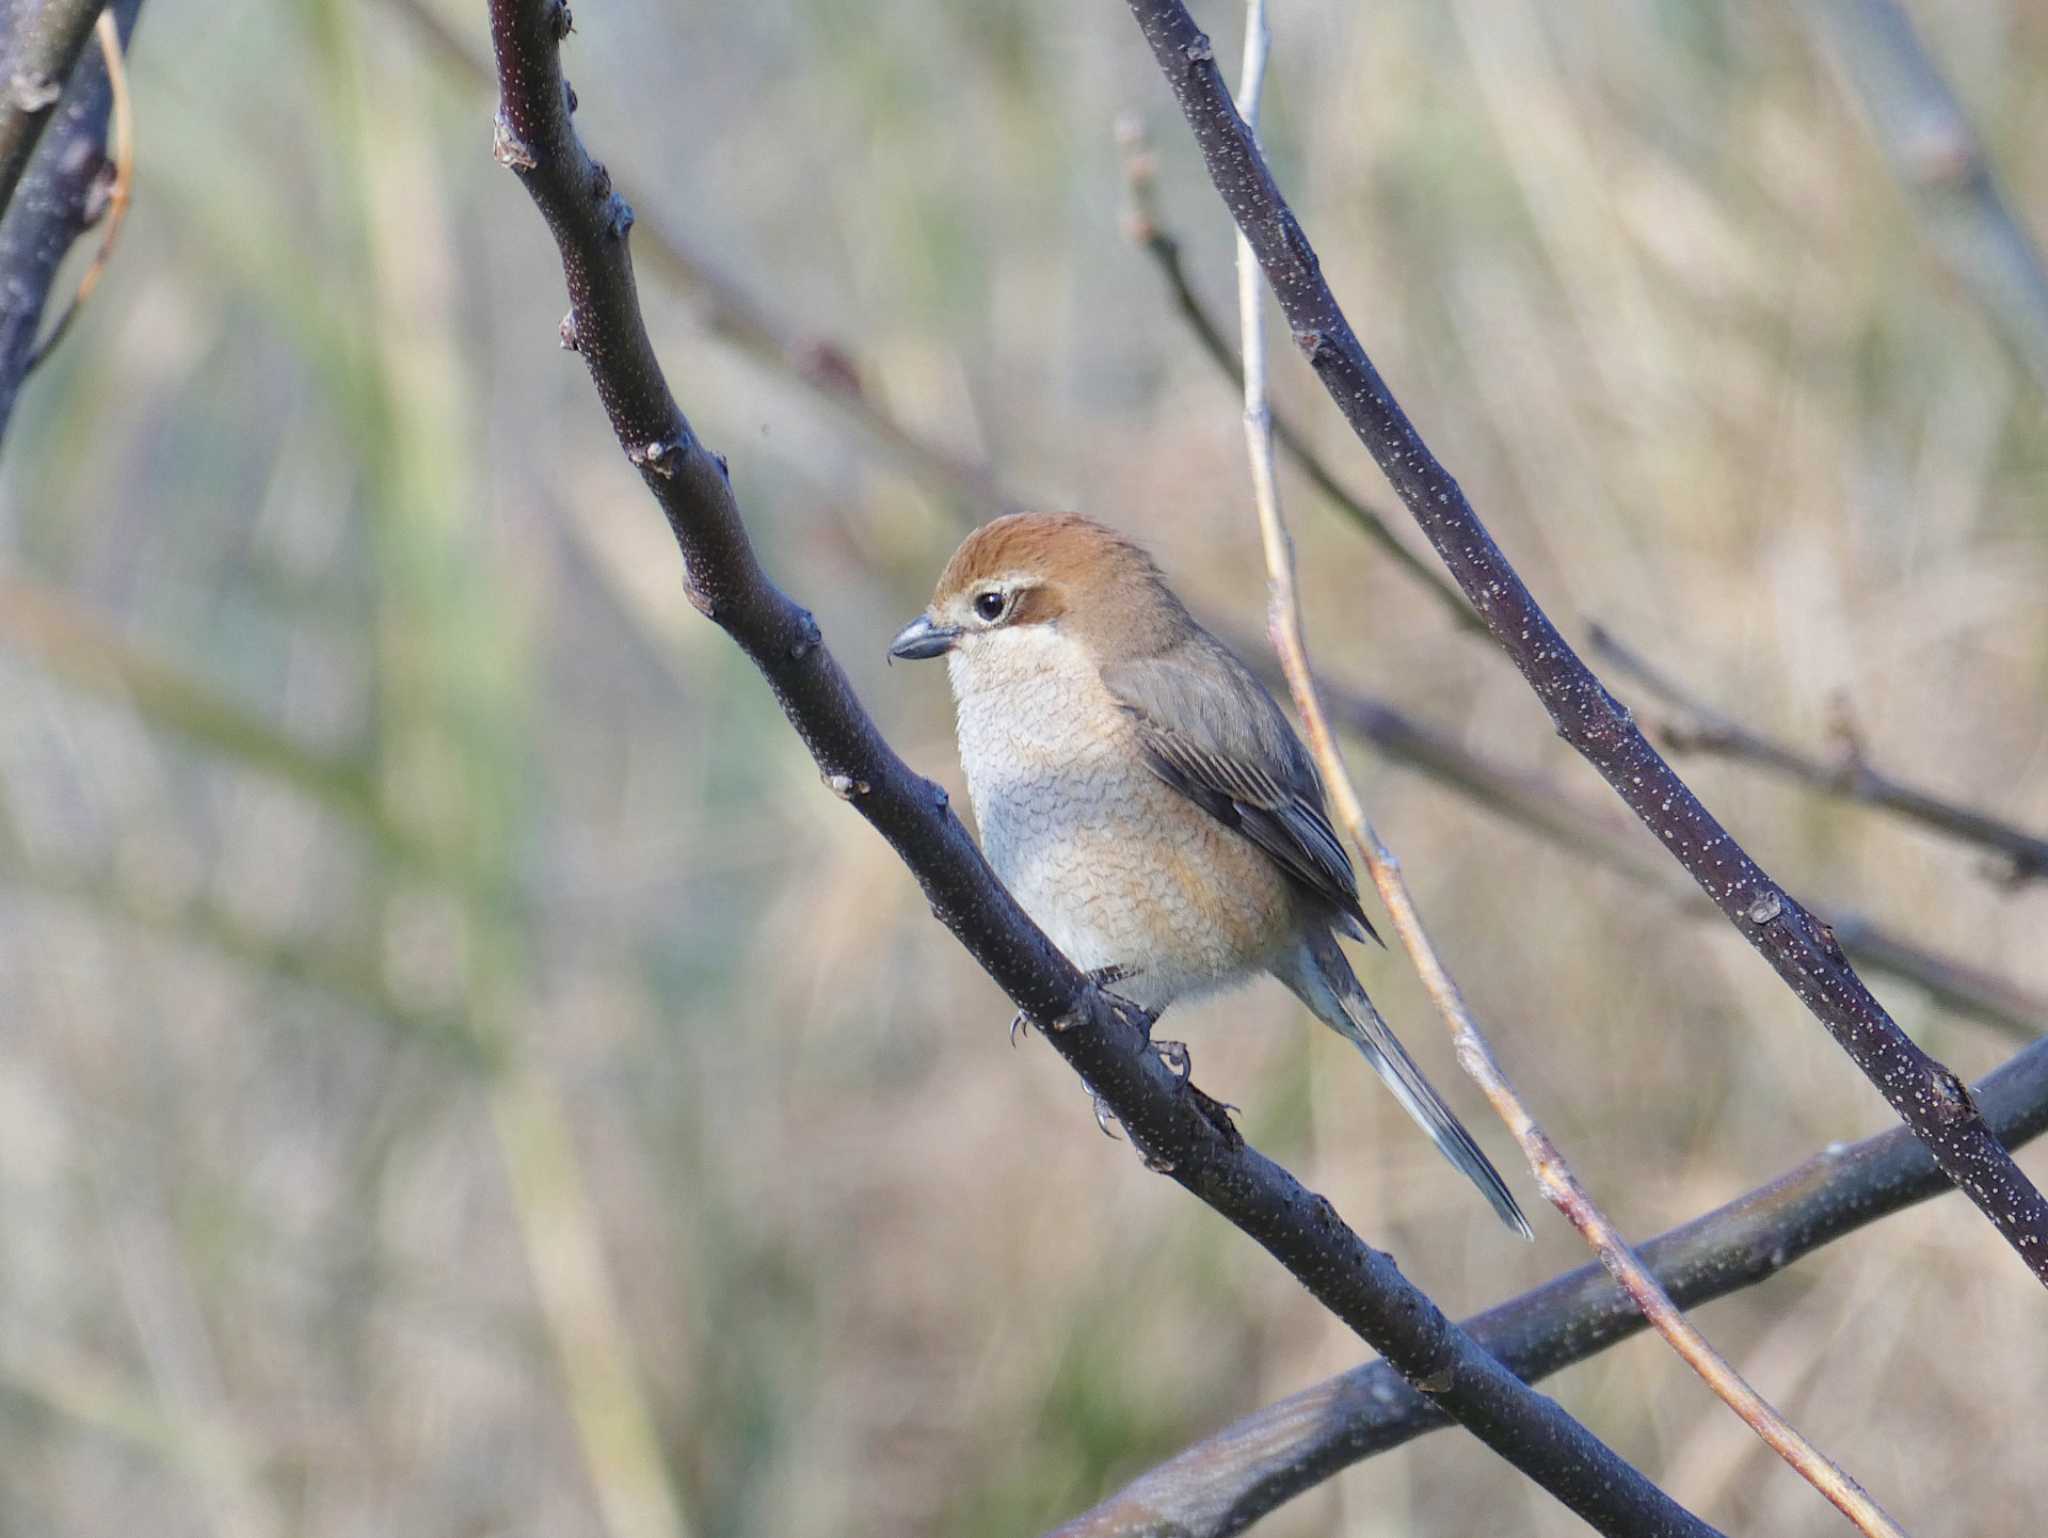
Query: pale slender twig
{"type": "Point", "coordinates": [1553, 1174]}
{"type": "Point", "coordinates": [119, 191]}
{"type": "Point", "coordinates": [1850, 776]}
{"type": "Point", "coordinates": [1147, 230]}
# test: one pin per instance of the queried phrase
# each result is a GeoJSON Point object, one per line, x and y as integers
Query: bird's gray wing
{"type": "Point", "coordinates": [1211, 731]}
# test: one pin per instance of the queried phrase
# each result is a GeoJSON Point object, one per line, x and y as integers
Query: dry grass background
{"type": "Point", "coordinates": [461, 1074]}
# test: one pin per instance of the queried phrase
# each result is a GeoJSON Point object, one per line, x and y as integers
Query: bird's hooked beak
{"type": "Point", "coordinates": [921, 638]}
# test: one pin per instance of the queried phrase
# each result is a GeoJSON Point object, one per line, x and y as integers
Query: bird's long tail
{"type": "Point", "coordinates": [1326, 983]}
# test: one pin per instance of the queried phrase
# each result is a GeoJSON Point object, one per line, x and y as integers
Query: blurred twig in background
{"type": "Point", "coordinates": [1935, 155]}
{"type": "Point", "coordinates": [732, 312]}
{"type": "Point", "coordinates": [1165, 1118]}
{"type": "Point", "coordinates": [1225, 1482]}
{"type": "Point", "coordinates": [1144, 226]}
{"type": "Point", "coordinates": [56, 181]}
{"type": "Point", "coordinates": [1926, 1094]}
{"type": "Point", "coordinates": [1700, 728]}
{"type": "Point", "coordinates": [1559, 1183]}
{"type": "Point", "coordinates": [1545, 809]}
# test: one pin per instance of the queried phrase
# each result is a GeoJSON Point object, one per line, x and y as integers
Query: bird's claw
{"type": "Point", "coordinates": [1020, 1025]}
{"type": "Point", "coordinates": [1174, 1054]}
{"type": "Point", "coordinates": [1105, 1118]}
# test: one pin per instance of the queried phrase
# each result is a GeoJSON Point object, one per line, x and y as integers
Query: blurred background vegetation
{"type": "Point", "coordinates": [461, 1074]}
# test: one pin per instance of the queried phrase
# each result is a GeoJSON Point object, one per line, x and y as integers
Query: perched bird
{"type": "Point", "coordinates": [1143, 796]}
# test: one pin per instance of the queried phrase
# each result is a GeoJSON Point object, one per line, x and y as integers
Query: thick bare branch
{"type": "Point", "coordinates": [1928, 1096]}
{"type": "Point", "coordinates": [55, 178]}
{"type": "Point", "coordinates": [1224, 1483]}
{"type": "Point", "coordinates": [1178, 1131]}
{"type": "Point", "coordinates": [44, 44]}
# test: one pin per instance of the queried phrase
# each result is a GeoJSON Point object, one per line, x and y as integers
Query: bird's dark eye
{"type": "Point", "coordinates": [990, 605]}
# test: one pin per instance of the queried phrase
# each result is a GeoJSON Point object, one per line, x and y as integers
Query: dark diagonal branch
{"type": "Point", "coordinates": [43, 44]}
{"type": "Point", "coordinates": [1703, 729]}
{"type": "Point", "coordinates": [1926, 139]}
{"type": "Point", "coordinates": [1225, 1482]}
{"type": "Point", "coordinates": [63, 181]}
{"type": "Point", "coordinates": [1164, 1117]}
{"type": "Point", "coordinates": [1929, 1097]}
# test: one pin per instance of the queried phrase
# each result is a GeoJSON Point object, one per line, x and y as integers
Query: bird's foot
{"type": "Point", "coordinates": [1105, 1118]}
{"type": "Point", "coordinates": [1021, 1024]}
{"type": "Point", "coordinates": [1172, 1053]}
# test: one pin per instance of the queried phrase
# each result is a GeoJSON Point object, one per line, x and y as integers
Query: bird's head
{"type": "Point", "coordinates": [1032, 591]}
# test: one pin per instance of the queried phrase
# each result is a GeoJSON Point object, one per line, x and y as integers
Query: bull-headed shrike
{"type": "Point", "coordinates": [1144, 798]}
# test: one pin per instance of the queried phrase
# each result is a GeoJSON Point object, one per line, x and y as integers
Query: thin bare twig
{"type": "Point", "coordinates": [1927, 1095]}
{"type": "Point", "coordinates": [1535, 804]}
{"type": "Point", "coordinates": [1926, 139]}
{"type": "Point", "coordinates": [1560, 1185]}
{"type": "Point", "coordinates": [1850, 777]}
{"type": "Point", "coordinates": [1180, 1132]}
{"type": "Point", "coordinates": [1222, 1484]}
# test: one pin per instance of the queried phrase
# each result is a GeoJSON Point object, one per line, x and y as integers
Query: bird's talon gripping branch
{"type": "Point", "coordinates": [1175, 1055]}
{"type": "Point", "coordinates": [1105, 1118]}
{"type": "Point", "coordinates": [1020, 1026]}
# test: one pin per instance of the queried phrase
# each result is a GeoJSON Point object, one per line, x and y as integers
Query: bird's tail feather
{"type": "Point", "coordinates": [1339, 1000]}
